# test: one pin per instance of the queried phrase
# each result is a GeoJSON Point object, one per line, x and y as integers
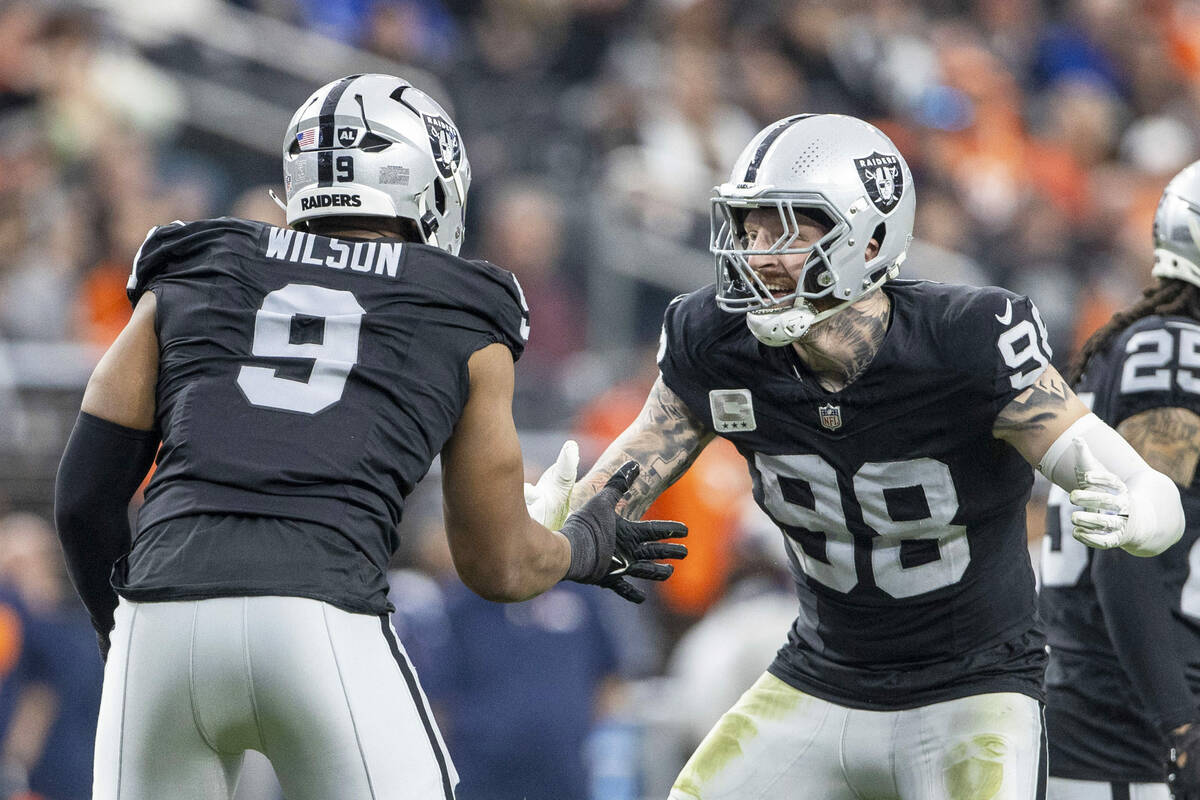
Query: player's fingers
{"type": "Point", "coordinates": [650, 571]}
{"type": "Point", "coordinates": [566, 467]}
{"type": "Point", "coordinates": [1102, 523]}
{"type": "Point", "coordinates": [627, 590]}
{"type": "Point", "coordinates": [656, 551]}
{"type": "Point", "coordinates": [1096, 539]}
{"type": "Point", "coordinates": [1098, 501]}
{"type": "Point", "coordinates": [619, 483]}
{"type": "Point", "coordinates": [653, 529]}
{"type": "Point", "coordinates": [1102, 480]}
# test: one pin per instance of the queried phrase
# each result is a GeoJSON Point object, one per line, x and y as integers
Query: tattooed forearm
{"type": "Point", "coordinates": [1169, 440]}
{"type": "Point", "coordinates": [1036, 407]}
{"type": "Point", "coordinates": [665, 439]}
{"type": "Point", "coordinates": [1037, 416]}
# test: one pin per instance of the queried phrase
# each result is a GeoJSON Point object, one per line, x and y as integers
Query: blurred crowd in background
{"type": "Point", "coordinates": [1040, 135]}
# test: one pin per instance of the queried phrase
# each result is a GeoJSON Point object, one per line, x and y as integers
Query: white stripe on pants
{"type": "Point", "coordinates": [190, 686]}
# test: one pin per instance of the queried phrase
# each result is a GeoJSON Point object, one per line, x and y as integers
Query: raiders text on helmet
{"type": "Point", "coordinates": [826, 166]}
{"type": "Point", "coordinates": [375, 146]}
{"type": "Point", "coordinates": [1177, 228]}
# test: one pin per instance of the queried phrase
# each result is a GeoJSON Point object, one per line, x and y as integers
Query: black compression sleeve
{"type": "Point", "coordinates": [101, 468]}
{"type": "Point", "coordinates": [1137, 613]}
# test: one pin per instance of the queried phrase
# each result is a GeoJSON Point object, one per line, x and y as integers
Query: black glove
{"type": "Point", "coordinates": [606, 548]}
{"type": "Point", "coordinates": [1183, 764]}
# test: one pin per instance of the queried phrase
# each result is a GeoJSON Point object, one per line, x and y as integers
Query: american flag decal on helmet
{"type": "Point", "coordinates": [307, 139]}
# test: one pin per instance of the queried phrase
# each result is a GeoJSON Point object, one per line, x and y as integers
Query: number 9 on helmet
{"type": "Point", "coordinates": [376, 146]}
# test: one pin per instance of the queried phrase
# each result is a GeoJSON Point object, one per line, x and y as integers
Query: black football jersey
{"type": "Point", "coordinates": [1098, 726]}
{"type": "Point", "coordinates": [304, 379]}
{"type": "Point", "coordinates": [903, 518]}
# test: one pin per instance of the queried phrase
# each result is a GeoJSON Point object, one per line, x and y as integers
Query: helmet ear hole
{"type": "Point", "coordinates": [879, 233]}
{"type": "Point", "coordinates": [439, 196]}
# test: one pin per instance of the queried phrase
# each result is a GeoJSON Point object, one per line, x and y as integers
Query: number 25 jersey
{"type": "Point", "coordinates": [904, 518]}
{"type": "Point", "coordinates": [307, 379]}
{"type": "Point", "coordinates": [1100, 724]}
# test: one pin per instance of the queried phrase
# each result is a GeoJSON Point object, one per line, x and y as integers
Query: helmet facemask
{"type": "Point", "coordinates": [836, 169]}
{"type": "Point", "coordinates": [739, 285]}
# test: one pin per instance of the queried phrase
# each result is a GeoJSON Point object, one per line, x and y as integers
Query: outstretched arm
{"type": "Point", "coordinates": [664, 440]}
{"type": "Point", "coordinates": [499, 550]}
{"type": "Point", "coordinates": [1125, 502]}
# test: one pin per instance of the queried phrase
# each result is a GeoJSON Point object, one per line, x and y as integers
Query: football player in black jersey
{"type": "Point", "coordinates": [889, 427]}
{"type": "Point", "coordinates": [301, 381]}
{"type": "Point", "coordinates": [1124, 633]}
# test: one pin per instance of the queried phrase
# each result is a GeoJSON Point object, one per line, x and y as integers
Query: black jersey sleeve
{"type": "Point", "coordinates": [497, 295]}
{"type": "Point", "coordinates": [153, 257]}
{"type": "Point", "coordinates": [187, 248]}
{"type": "Point", "coordinates": [689, 327]}
{"type": "Point", "coordinates": [1157, 365]}
{"type": "Point", "coordinates": [997, 339]}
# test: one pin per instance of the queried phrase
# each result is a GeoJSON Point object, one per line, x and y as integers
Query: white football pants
{"type": "Point", "coordinates": [328, 696]}
{"type": "Point", "coordinates": [1069, 789]}
{"type": "Point", "coordinates": [779, 742]}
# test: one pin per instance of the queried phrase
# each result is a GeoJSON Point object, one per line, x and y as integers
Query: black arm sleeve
{"type": "Point", "coordinates": [1137, 613]}
{"type": "Point", "coordinates": [101, 468]}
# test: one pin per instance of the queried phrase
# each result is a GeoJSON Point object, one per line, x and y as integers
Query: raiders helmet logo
{"type": "Point", "coordinates": [882, 178]}
{"type": "Point", "coordinates": [347, 136]}
{"type": "Point", "coordinates": [831, 416]}
{"type": "Point", "coordinates": [443, 139]}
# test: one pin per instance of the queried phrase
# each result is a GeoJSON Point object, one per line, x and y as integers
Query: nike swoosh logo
{"type": "Point", "coordinates": [1006, 317]}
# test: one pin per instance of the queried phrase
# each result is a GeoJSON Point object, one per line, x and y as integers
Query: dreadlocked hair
{"type": "Point", "coordinates": [1167, 297]}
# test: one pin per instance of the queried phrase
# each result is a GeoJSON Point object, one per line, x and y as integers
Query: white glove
{"type": "Point", "coordinates": [1107, 517]}
{"type": "Point", "coordinates": [549, 499]}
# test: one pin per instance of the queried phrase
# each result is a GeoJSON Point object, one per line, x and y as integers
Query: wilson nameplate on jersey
{"type": "Point", "coordinates": [732, 410]}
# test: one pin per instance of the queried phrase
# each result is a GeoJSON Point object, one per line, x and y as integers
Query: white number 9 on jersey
{"type": "Point", "coordinates": [338, 315]}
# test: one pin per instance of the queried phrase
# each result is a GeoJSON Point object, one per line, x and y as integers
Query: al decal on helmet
{"type": "Point", "coordinates": [882, 178]}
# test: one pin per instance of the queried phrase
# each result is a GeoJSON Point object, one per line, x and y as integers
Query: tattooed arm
{"type": "Point", "coordinates": [1124, 502]}
{"type": "Point", "coordinates": [1169, 440]}
{"type": "Point", "coordinates": [1035, 418]}
{"type": "Point", "coordinates": [664, 439]}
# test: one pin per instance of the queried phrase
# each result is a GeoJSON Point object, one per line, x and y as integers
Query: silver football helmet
{"type": "Point", "coordinates": [830, 167]}
{"type": "Point", "coordinates": [376, 146]}
{"type": "Point", "coordinates": [1177, 228]}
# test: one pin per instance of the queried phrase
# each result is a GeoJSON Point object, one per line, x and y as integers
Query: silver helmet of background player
{"type": "Point", "coordinates": [1177, 228]}
{"type": "Point", "coordinates": [830, 167]}
{"type": "Point", "coordinates": [375, 146]}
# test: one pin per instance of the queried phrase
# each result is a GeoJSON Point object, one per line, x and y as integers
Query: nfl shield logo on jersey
{"type": "Point", "coordinates": [882, 178]}
{"type": "Point", "coordinates": [831, 416]}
